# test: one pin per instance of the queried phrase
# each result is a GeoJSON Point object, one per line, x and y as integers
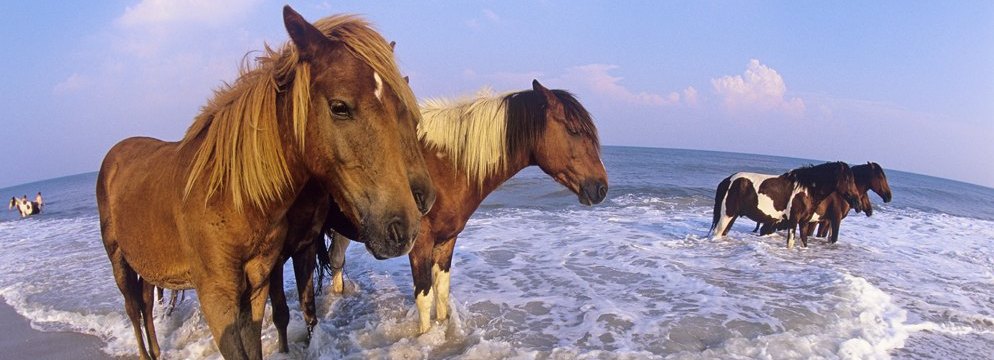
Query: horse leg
{"type": "Point", "coordinates": [728, 225]}
{"type": "Point", "coordinates": [130, 286]}
{"type": "Point", "coordinates": [148, 303]}
{"type": "Point", "coordinates": [758, 224]}
{"type": "Point", "coordinates": [222, 304]}
{"type": "Point", "coordinates": [803, 228]}
{"type": "Point", "coordinates": [339, 244]}
{"type": "Point", "coordinates": [790, 233]}
{"type": "Point", "coordinates": [421, 269]}
{"type": "Point", "coordinates": [281, 312]}
{"type": "Point", "coordinates": [172, 301]}
{"type": "Point", "coordinates": [255, 298]}
{"type": "Point", "coordinates": [835, 229]}
{"type": "Point", "coordinates": [809, 229]}
{"type": "Point", "coordinates": [161, 293]}
{"type": "Point", "coordinates": [443, 263]}
{"type": "Point", "coordinates": [304, 262]}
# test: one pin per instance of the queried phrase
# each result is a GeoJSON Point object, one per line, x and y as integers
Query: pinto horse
{"type": "Point", "coordinates": [473, 146]}
{"type": "Point", "coordinates": [832, 210]}
{"type": "Point", "coordinates": [210, 212]}
{"type": "Point", "coordinates": [788, 200]}
{"type": "Point", "coordinates": [24, 206]}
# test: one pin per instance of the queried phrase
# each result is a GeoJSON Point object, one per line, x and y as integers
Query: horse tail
{"type": "Point", "coordinates": [324, 262]}
{"type": "Point", "coordinates": [719, 197]}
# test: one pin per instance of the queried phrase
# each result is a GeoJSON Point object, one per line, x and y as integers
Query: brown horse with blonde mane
{"type": "Point", "coordinates": [209, 212]}
{"type": "Point", "coordinates": [471, 147]}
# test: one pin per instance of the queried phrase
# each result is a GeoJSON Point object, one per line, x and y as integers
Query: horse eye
{"type": "Point", "coordinates": [340, 110]}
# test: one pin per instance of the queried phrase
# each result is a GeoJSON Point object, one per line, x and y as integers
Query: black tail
{"type": "Point", "coordinates": [719, 196]}
{"type": "Point", "coordinates": [324, 263]}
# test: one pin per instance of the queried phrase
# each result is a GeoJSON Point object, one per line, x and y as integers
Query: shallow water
{"type": "Point", "coordinates": [536, 275]}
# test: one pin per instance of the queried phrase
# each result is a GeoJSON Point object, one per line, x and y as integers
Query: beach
{"type": "Point", "coordinates": [21, 342]}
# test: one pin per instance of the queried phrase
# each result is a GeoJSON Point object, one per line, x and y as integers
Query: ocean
{"type": "Point", "coordinates": [536, 275]}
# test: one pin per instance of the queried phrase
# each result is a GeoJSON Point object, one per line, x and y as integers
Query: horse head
{"type": "Point", "coordinates": [878, 181]}
{"type": "Point", "coordinates": [359, 139]}
{"type": "Point", "coordinates": [845, 184]}
{"type": "Point", "coordinates": [568, 148]}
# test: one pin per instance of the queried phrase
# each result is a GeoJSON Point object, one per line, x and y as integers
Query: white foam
{"type": "Point", "coordinates": [632, 278]}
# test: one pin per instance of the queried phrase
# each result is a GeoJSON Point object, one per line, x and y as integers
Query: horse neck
{"type": "Point", "coordinates": [513, 165]}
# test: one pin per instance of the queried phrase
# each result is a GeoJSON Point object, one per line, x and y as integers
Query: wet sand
{"type": "Point", "coordinates": [21, 342]}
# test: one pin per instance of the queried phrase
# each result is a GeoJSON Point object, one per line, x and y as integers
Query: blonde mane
{"type": "Point", "coordinates": [471, 131]}
{"type": "Point", "coordinates": [241, 146]}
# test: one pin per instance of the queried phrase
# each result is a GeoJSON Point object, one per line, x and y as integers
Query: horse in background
{"type": "Point", "coordinates": [832, 210]}
{"type": "Point", "coordinates": [473, 146]}
{"type": "Point", "coordinates": [24, 206]}
{"type": "Point", "coordinates": [789, 199]}
{"type": "Point", "coordinates": [210, 212]}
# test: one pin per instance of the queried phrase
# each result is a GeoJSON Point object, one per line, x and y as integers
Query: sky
{"type": "Point", "coordinates": [908, 84]}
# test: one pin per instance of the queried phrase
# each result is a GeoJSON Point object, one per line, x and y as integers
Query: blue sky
{"type": "Point", "coordinates": [909, 84]}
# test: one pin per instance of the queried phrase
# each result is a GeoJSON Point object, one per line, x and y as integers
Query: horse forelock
{"type": "Point", "coordinates": [241, 146]}
{"type": "Point", "coordinates": [365, 43]}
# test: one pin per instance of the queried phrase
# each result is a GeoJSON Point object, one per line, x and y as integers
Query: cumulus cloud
{"type": "Point", "coordinates": [596, 78]}
{"type": "Point", "coordinates": [152, 12]}
{"type": "Point", "coordinates": [758, 89]}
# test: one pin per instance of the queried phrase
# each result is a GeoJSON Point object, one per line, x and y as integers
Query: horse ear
{"type": "Point", "coordinates": [550, 98]}
{"type": "Point", "coordinates": [407, 79]}
{"type": "Point", "coordinates": [305, 36]}
{"type": "Point", "coordinates": [393, 45]}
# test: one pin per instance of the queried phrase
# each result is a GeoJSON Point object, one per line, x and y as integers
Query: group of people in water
{"type": "Point", "coordinates": [26, 207]}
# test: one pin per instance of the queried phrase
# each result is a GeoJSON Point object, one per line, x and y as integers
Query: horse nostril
{"type": "Point", "coordinates": [395, 231]}
{"type": "Point", "coordinates": [601, 191]}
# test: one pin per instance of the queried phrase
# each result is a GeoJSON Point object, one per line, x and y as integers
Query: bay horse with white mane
{"type": "Point", "coordinates": [788, 200]}
{"type": "Point", "coordinates": [210, 212]}
{"type": "Point", "coordinates": [473, 146]}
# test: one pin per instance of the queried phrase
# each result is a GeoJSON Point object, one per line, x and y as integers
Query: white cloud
{"type": "Point", "coordinates": [758, 89]}
{"type": "Point", "coordinates": [71, 84]}
{"type": "Point", "coordinates": [690, 96]}
{"type": "Point", "coordinates": [491, 15]}
{"type": "Point", "coordinates": [152, 12]}
{"type": "Point", "coordinates": [595, 77]}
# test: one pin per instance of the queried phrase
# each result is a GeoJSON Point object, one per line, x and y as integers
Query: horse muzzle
{"type": "Point", "coordinates": [592, 192]}
{"type": "Point", "coordinates": [393, 239]}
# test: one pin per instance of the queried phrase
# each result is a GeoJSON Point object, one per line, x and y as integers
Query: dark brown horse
{"type": "Point", "coordinates": [471, 147]}
{"type": "Point", "coordinates": [789, 199]}
{"type": "Point", "coordinates": [832, 210]}
{"type": "Point", "coordinates": [210, 212]}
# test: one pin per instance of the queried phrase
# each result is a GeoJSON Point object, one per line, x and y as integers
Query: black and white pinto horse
{"type": "Point", "coordinates": [788, 200]}
{"type": "Point", "coordinates": [830, 212]}
{"type": "Point", "coordinates": [24, 206]}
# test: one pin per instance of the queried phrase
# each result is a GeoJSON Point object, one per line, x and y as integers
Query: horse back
{"type": "Point", "coordinates": [760, 197]}
{"type": "Point", "coordinates": [139, 196]}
